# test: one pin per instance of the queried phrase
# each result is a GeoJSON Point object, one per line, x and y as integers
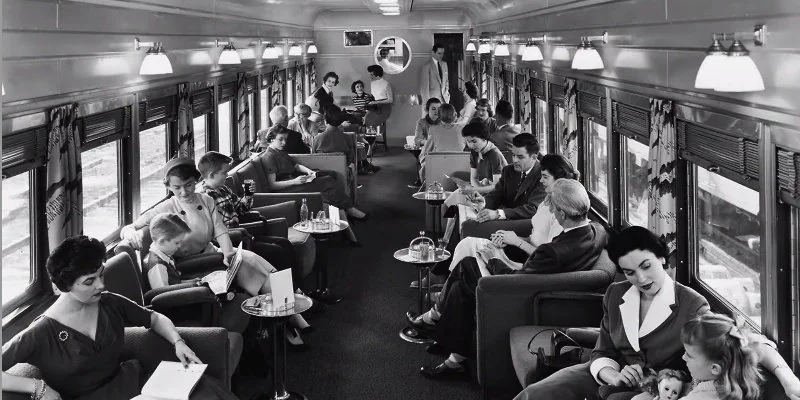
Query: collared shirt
{"type": "Point", "coordinates": [502, 214]}
{"type": "Point", "coordinates": [160, 269]}
{"type": "Point", "coordinates": [228, 203]}
{"type": "Point", "coordinates": [381, 90]}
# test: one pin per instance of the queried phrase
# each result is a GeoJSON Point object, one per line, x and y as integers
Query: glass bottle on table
{"type": "Point", "coordinates": [304, 214]}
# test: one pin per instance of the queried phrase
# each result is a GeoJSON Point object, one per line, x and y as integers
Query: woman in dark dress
{"type": "Point", "coordinates": [77, 342]}
{"type": "Point", "coordinates": [322, 98]}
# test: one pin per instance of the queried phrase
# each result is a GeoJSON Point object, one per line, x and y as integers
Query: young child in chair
{"type": "Point", "coordinates": [168, 231]}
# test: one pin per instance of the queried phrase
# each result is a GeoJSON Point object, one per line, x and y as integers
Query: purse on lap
{"type": "Point", "coordinates": [549, 363]}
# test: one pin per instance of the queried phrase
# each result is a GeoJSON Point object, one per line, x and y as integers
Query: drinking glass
{"type": "Point", "coordinates": [442, 245]}
{"type": "Point", "coordinates": [321, 217]}
{"type": "Point", "coordinates": [478, 202]}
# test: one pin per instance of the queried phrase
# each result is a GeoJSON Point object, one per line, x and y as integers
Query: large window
{"type": "Point", "coordinates": [727, 241]}
{"type": "Point", "coordinates": [253, 114]}
{"type": "Point", "coordinates": [559, 123]}
{"type": "Point", "coordinates": [264, 109]}
{"type": "Point", "coordinates": [152, 159]}
{"type": "Point", "coordinates": [597, 161]}
{"type": "Point", "coordinates": [540, 108]}
{"type": "Point", "coordinates": [101, 190]}
{"type": "Point", "coordinates": [290, 97]}
{"type": "Point", "coordinates": [635, 165]}
{"type": "Point", "coordinates": [17, 261]}
{"type": "Point", "coordinates": [199, 125]}
{"type": "Point", "coordinates": [224, 128]}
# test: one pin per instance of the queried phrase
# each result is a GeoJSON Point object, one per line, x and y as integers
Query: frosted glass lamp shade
{"type": "Point", "coordinates": [271, 52]}
{"type": "Point", "coordinates": [709, 73]}
{"type": "Point", "coordinates": [502, 50]}
{"type": "Point", "coordinates": [229, 56]}
{"type": "Point", "coordinates": [587, 58]}
{"type": "Point", "coordinates": [312, 49]}
{"type": "Point", "coordinates": [532, 52]}
{"type": "Point", "coordinates": [295, 50]}
{"type": "Point", "coordinates": [155, 63]}
{"type": "Point", "coordinates": [740, 74]}
{"type": "Point", "coordinates": [484, 48]}
{"type": "Point", "coordinates": [471, 46]}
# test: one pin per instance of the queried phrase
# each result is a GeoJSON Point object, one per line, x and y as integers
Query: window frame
{"type": "Point", "coordinates": [601, 209]}
{"type": "Point", "coordinates": [168, 129]}
{"type": "Point", "coordinates": [623, 180]}
{"type": "Point", "coordinates": [231, 126]}
{"type": "Point", "coordinates": [112, 237]}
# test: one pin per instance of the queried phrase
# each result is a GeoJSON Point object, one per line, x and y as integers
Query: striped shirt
{"type": "Point", "coordinates": [360, 102]}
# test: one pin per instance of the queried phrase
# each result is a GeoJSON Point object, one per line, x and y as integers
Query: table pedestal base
{"type": "Point", "coordinates": [413, 335]}
{"type": "Point", "coordinates": [325, 296]}
{"type": "Point", "coordinates": [289, 396]}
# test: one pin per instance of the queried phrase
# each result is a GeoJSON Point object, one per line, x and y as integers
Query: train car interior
{"type": "Point", "coordinates": [474, 199]}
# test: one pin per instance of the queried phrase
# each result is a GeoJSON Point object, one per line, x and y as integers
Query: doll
{"type": "Point", "coordinates": [668, 384]}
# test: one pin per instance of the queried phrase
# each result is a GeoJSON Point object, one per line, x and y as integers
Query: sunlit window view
{"type": "Point", "coordinates": [16, 236]}
{"type": "Point", "coordinates": [559, 123]}
{"type": "Point", "coordinates": [101, 191]}
{"type": "Point", "coordinates": [264, 109]}
{"type": "Point", "coordinates": [224, 128]}
{"type": "Point", "coordinates": [199, 127]}
{"type": "Point", "coordinates": [253, 114]}
{"type": "Point", "coordinates": [728, 241]}
{"type": "Point", "coordinates": [540, 108]}
{"type": "Point", "coordinates": [597, 161]}
{"type": "Point", "coordinates": [290, 97]}
{"type": "Point", "coordinates": [636, 163]}
{"type": "Point", "coordinates": [152, 158]}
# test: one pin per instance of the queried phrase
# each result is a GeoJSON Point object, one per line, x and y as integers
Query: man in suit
{"type": "Point", "coordinates": [333, 140]}
{"type": "Point", "coordinates": [453, 316]}
{"type": "Point", "coordinates": [504, 135]}
{"type": "Point", "coordinates": [434, 79]}
{"type": "Point", "coordinates": [279, 116]}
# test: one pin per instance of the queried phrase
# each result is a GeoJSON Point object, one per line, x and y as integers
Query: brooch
{"type": "Point", "coordinates": [63, 336]}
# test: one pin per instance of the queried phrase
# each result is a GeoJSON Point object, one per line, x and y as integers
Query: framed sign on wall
{"type": "Point", "coordinates": [357, 38]}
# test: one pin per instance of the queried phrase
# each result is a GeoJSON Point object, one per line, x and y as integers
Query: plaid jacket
{"type": "Point", "coordinates": [228, 203]}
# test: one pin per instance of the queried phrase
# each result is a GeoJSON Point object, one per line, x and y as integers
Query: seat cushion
{"type": "Point", "coordinates": [305, 249]}
{"type": "Point", "coordinates": [525, 362]}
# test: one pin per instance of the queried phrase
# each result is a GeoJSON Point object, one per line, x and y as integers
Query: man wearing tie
{"type": "Point", "coordinates": [435, 81]}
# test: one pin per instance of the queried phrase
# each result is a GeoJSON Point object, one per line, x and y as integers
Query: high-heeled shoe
{"type": "Point", "coordinates": [295, 341]}
{"type": "Point", "coordinates": [360, 219]}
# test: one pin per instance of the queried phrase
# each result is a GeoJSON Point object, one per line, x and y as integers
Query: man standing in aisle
{"type": "Point", "coordinates": [435, 80]}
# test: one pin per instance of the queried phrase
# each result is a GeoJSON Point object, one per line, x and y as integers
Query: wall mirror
{"type": "Point", "coordinates": [393, 54]}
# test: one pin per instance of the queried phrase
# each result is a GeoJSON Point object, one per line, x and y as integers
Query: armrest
{"type": "Point", "coordinates": [507, 301]}
{"type": "Point", "coordinates": [155, 292]}
{"type": "Point", "coordinates": [240, 235]}
{"type": "Point", "coordinates": [522, 227]}
{"type": "Point", "coordinates": [313, 201]}
{"type": "Point", "coordinates": [335, 162]}
{"type": "Point", "coordinates": [586, 337]}
{"type": "Point", "coordinates": [209, 344]}
{"type": "Point", "coordinates": [183, 297]}
{"type": "Point", "coordinates": [194, 266]}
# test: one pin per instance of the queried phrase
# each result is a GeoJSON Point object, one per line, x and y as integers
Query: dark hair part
{"type": "Point", "coordinates": [212, 162]}
{"type": "Point", "coordinates": [331, 75]}
{"type": "Point", "coordinates": [269, 134]}
{"type": "Point", "coordinates": [722, 343]}
{"type": "Point", "coordinates": [527, 141]}
{"type": "Point", "coordinates": [75, 257]}
{"type": "Point", "coordinates": [485, 103]}
{"type": "Point", "coordinates": [437, 46]}
{"type": "Point", "coordinates": [471, 89]}
{"type": "Point", "coordinates": [183, 172]}
{"type": "Point", "coordinates": [559, 167]}
{"type": "Point", "coordinates": [166, 226]}
{"type": "Point", "coordinates": [432, 101]}
{"type": "Point", "coordinates": [376, 70]}
{"type": "Point", "coordinates": [636, 238]}
{"type": "Point", "coordinates": [504, 109]}
{"type": "Point", "coordinates": [334, 115]}
{"type": "Point", "coordinates": [353, 86]}
{"type": "Point", "coordinates": [475, 129]}
{"type": "Point", "coordinates": [447, 113]}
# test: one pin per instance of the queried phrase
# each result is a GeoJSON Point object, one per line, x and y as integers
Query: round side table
{"type": "Point", "coordinates": [275, 317]}
{"type": "Point", "coordinates": [411, 334]}
{"type": "Point", "coordinates": [322, 236]}
{"type": "Point", "coordinates": [436, 210]}
{"type": "Point", "coordinates": [415, 151]}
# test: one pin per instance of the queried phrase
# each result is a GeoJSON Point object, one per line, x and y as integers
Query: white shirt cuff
{"type": "Point", "coordinates": [501, 214]}
{"type": "Point", "coordinates": [600, 363]}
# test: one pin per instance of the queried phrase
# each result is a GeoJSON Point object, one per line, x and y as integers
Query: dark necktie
{"type": "Point", "coordinates": [439, 66]}
{"type": "Point", "coordinates": [522, 179]}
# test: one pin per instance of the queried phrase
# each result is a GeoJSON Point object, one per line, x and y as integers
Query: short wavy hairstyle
{"type": "Point", "coordinates": [471, 89]}
{"type": "Point", "coordinates": [331, 75]}
{"type": "Point", "coordinates": [75, 257]}
{"type": "Point", "coordinates": [475, 129]}
{"type": "Point", "coordinates": [430, 102]}
{"type": "Point", "coordinates": [636, 238]}
{"type": "Point", "coordinates": [182, 172]}
{"type": "Point", "coordinates": [559, 167]}
{"type": "Point", "coordinates": [447, 113]}
{"type": "Point", "coordinates": [354, 84]}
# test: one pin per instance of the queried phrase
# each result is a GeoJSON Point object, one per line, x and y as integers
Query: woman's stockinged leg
{"type": "Point", "coordinates": [253, 275]}
{"type": "Point", "coordinates": [571, 383]}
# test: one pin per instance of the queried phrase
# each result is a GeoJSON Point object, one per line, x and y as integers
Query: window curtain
{"type": "Point", "coordinates": [484, 87]}
{"type": "Point", "coordinates": [569, 145]}
{"type": "Point", "coordinates": [661, 172]}
{"type": "Point", "coordinates": [185, 122]}
{"type": "Point", "coordinates": [299, 76]}
{"type": "Point", "coordinates": [276, 88]}
{"type": "Point", "coordinates": [525, 105]}
{"type": "Point", "coordinates": [243, 109]}
{"type": "Point", "coordinates": [312, 77]}
{"type": "Point", "coordinates": [64, 208]}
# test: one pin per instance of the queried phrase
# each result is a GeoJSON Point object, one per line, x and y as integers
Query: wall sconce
{"type": "Point", "coordinates": [587, 57]}
{"type": "Point", "coordinates": [485, 47]}
{"type": "Point", "coordinates": [295, 50]}
{"type": "Point", "coordinates": [272, 52]}
{"type": "Point", "coordinates": [501, 50]}
{"type": "Point", "coordinates": [155, 61]}
{"type": "Point", "coordinates": [470, 46]}
{"type": "Point", "coordinates": [312, 49]}
{"type": "Point", "coordinates": [532, 52]}
{"type": "Point", "coordinates": [731, 70]}
{"type": "Point", "coordinates": [229, 56]}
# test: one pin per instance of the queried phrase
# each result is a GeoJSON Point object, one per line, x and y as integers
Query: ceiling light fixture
{"type": "Point", "coordinates": [731, 70]}
{"type": "Point", "coordinates": [386, 2]}
{"type": "Point", "coordinates": [484, 48]}
{"type": "Point", "coordinates": [155, 61]}
{"type": "Point", "coordinates": [471, 46]}
{"type": "Point", "coordinates": [501, 50]}
{"type": "Point", "coordinates": [272, 52]}
{"type": "Point", "coordinates": [587, 57]}
{"type": "Point", "coordinates": [390, 8]}
{"type": "Point", "coordinates": [229, 56]}
{"type": "Point", "coordinates": [391, 13]}
{"type": "Point", "coordinates": [295, 50]}
{"type": "Point", "coordinates": [532, 52]}
{"type": "Point", "coordinates": [312, 49]}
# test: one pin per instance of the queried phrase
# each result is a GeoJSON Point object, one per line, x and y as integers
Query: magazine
{"type": "Point", "coordinates": [220, 281]}
{"type": "Point", "coordinates": [172, 381]}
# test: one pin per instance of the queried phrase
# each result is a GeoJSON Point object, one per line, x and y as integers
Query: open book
{"type": "Point", "coordinates": [220, 281]}
{"type": "Point", "coordinates": [172, 381]}
{"type": "Point", "coordinates": [311, 177]}
{"type": "Point", "coordinates": [458, 181]}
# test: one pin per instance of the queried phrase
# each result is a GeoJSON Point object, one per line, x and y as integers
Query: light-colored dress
{"type": "Point", "coordinates": [467, 112]}
{"type": "Point", "coordinates": [206, 224]}
{"type": "Point", "coordinates": [544, 228]}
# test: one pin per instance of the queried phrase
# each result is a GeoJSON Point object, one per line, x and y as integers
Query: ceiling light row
{"type": "Point", "coordinates": [156, 62]}
{"type": "Point", "coordinates": [586, 58]}
{"type": "Point", "coordinates": [731, 69]}
{"type": "Point", "coordinates": [388, 7]}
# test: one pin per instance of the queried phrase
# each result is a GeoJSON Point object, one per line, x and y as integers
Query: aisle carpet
{"type": "Point", "coordinates": [356, 352]}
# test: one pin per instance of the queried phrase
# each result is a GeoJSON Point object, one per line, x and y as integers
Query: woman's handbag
{"type": "Point", "coordinates": [549, 363]}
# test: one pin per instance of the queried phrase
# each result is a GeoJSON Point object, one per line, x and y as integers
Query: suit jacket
{"type": "Point", "coordinates": [333, 140]}
{"type": "Point", "coordinates": [576, 250]}
{"type": "Point", "coordinates": [432, 85]}
{"type": "Point", "coordinates": [294, 142]}
{"type": "Point", "coordinates": [503, 138]}
{"type": "Point", "coordinates": [518, 201]}
{"type": "Point", "coordinates": [656, 344]}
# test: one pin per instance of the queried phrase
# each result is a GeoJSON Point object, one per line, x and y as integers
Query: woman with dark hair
{"type": "Point", "coordinates": [425, 123]}
{"type": "Point", "coordinates": [77, 342]}
{"type": "Point", "coordinates": [444, 136]}
{"type": "Point", "coordinates": [323, 97]}
{"type": "Point", "coordinates": [468, 112]}
{"type": "Point", "coordinates": [506, 245]}
{"type": "Point", "coordinates": [360, 98]}
{"type": "Point", "coordinates": [200, 213]}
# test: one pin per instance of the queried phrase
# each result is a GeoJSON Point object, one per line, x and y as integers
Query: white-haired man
{"type": "Point", "coordinates": [279, 116]}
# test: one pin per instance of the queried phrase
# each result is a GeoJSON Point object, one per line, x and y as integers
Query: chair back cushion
{"type": "Point", "coordinates": [248, 169]}
{"type": "Point", "coordinates": [439, 163]}
{"type": "Point", "coordinates": [121, 276]}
